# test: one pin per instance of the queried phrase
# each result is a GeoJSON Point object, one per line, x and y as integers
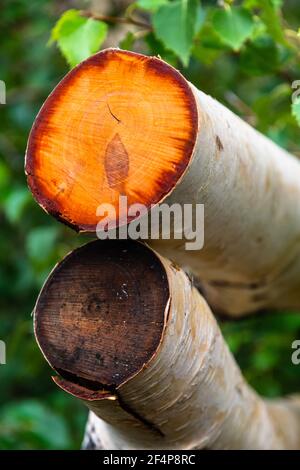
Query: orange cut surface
{"type": "Point", "coordinates": [120, 123]}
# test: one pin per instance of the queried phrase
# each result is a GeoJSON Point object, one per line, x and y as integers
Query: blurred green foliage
{"type": "Point", "coordinates": [73, 29]}
{"type": "Point", "coordinates": [33, 413]}
{"type": "Point", "coordinates": [244, 53]}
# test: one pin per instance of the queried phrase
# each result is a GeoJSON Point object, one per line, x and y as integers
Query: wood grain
{"type": "Point", "coordinates": [100, 315]}
{"type": "Point", "coordinates": [120, 122]}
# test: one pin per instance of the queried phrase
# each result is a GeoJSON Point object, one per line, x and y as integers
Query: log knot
{"type": "Point", "coordinates": [116, 163]}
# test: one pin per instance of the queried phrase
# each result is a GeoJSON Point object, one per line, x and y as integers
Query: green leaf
{"type": "Point", "coordinates": [32, 421]}
{"type": "Point", "coordinates": [208, 45]}
{"type": "Point", "coordinates": [200, 19]}
{"type": "Point", "coordinates": [78, 37]}
{"type": "Point", "coordinates": [257, 3]}
{"type": "Point", "coordinates": [277, 3]}
{"type": "Point", "coordinates": [150, 5]}
{"type": "Point", "coordinates": [175, 25]}
{"type": "Point", "coordinates": [272, 19]}
{"type": "Point", "coordinates": [4, 176]}
{"type": "Point", "coordinates": [15, 203]}
{"type": "Point", "coordinates": [40, 242]}
{"type": "Point", "coordinates": [156, 47]}
{"type": "Point", "coordinates": [260, 57]}
{"type": "Point", "coordinates": [233, 25]}
{"type": "Point", "coordinates": [296, 110]}
{"type": "Point", "coordinates": [128, 41]}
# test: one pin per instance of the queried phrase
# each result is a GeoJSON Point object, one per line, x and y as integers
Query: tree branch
{"type": "Point", "coordinates": [135, 341]}
{"type": "Point", "coordinates": [185, 148]}
{"type": "Point", "coordinates": [116, 19]}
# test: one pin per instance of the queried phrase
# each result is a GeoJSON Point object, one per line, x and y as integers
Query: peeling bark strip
{"type": "Point", "coordinates": [125, 123]}
{"type": "Point", "coordinates": [151, 363]}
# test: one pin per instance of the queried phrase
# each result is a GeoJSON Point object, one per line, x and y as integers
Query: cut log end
{"type": "Point", "coordinates": [97, 321]}
{"type": "Point", "coordinates": [119, 123]}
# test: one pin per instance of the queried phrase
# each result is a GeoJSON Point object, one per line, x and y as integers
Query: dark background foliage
{"type": "Point", "coordinates": [252, 73]}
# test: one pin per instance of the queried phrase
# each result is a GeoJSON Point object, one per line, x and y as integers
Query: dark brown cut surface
{"type": "Point", "coordinates": [100, 316]}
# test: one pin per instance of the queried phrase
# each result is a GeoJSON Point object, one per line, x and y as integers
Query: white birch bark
{"type": "Point", "coordinates": [191, 394]}
{"type": "Point", "coordinates": [250, 189]}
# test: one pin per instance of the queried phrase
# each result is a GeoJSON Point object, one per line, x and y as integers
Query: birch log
{"type": "Point", "coordinates": [135, 341]}
{"type": "Point", "coordinates": [125, 124]}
